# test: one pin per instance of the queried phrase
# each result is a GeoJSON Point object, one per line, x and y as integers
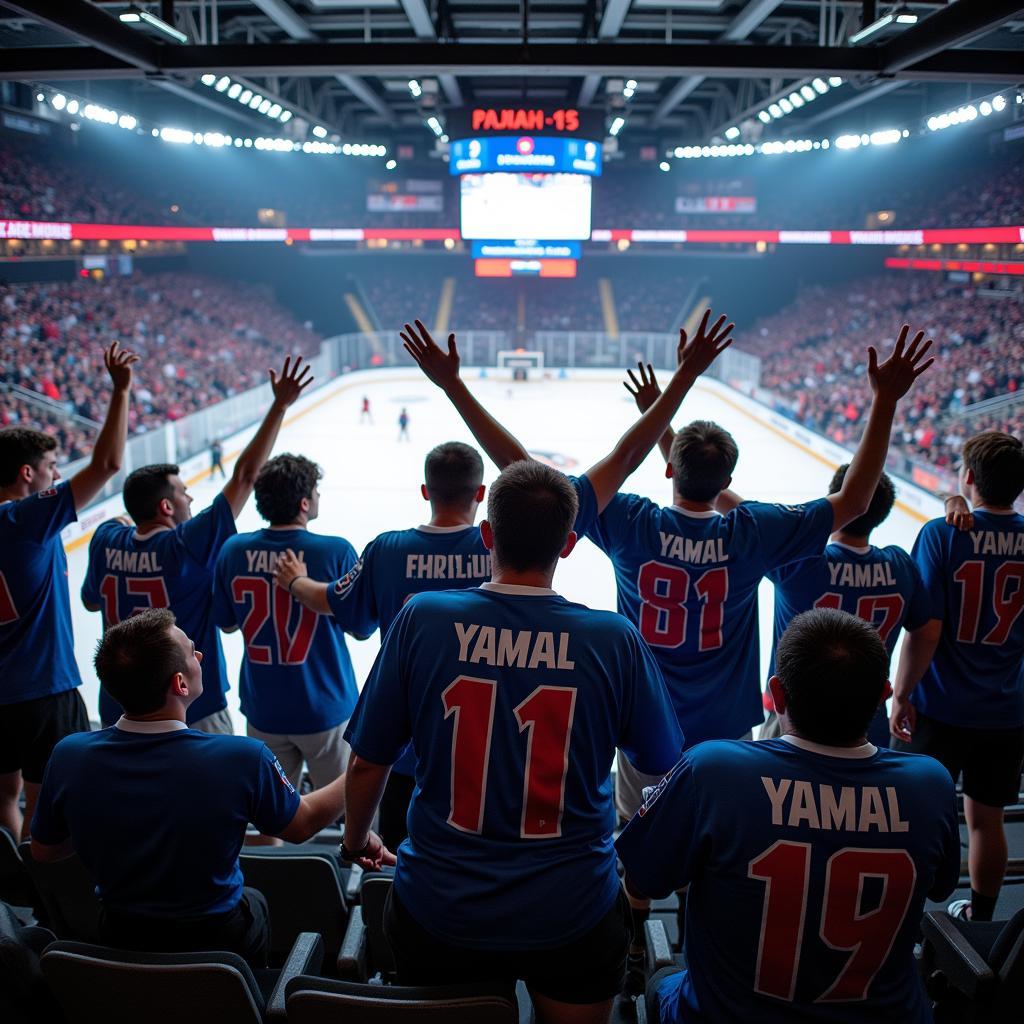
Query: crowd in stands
{"type": "Point", "coordinates": [813, 358]}
{"type": "Point", "coordinates": [203, 339]}
{"type": "Point", "coordinates": [54, 181]}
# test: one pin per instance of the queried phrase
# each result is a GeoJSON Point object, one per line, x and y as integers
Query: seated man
{"type": "Point", "coordinates": [515, 700]}
{"type": "Point", "coordinates": [808, 857]}
{"type": "Point", "coordinates": [157, 811]}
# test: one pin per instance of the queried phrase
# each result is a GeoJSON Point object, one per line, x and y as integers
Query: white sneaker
{"type": "Point", "coordinates": [960, 909]}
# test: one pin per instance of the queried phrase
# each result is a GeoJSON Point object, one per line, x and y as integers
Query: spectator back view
{"type": "Point", "coordinates": [968, 708]}
{"type": "Point", "coordinates": [166, 560]}
{"type": "Point", "coordinates": [808, 858]}
{"type": "Point", "coordinates": [297, 684]}
{"type": "Point", "coordinates": [39, 701]}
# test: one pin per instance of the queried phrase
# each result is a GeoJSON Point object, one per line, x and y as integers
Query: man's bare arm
{"type": "Point", "coordinates": [291, 574]}
{"type": "Point", "coordinates": [915, 657]}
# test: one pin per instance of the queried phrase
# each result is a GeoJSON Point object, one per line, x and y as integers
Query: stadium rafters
{"type": "Point", "coordinates": [699, 67]}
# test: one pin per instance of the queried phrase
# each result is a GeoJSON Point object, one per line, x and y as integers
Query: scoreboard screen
{"type": "Point", "coordinates": [541, 207]}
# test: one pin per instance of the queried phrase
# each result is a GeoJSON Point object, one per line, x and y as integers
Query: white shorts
{"type": "Point", "coordinates": [325, 754]}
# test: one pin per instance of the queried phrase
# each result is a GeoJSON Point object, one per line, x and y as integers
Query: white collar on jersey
{"type": "Point", "coordinates": [159, 725]}
{"type": "Point", "coordinates": [515, 588]}
{"type": "Point", "coordinates": [151, 533]}
{"type": "Point", "coordinates": [998, 511]}
{"type": "Point", "coordinates": [850, 547]}
{"type": "Point", "coordinates": [427, 528]}
{"type": "Point", "coordinates": [290, 526]}
{"type": "Point", "coordinates": [709, 514]}
{"type": "Point", "coordinates": [864, 750]}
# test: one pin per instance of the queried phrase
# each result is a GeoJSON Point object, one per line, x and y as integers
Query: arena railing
{"type": "Point", "coordinates": [181, 439]}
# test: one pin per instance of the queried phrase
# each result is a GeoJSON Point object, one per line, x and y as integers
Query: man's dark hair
{"type": "Point", "coordinates": [146, 487]}
{"type": "Point", "coordinates": [21, 446]}
{"type": "Point", "coordinates": [879, 509]}
{"type": "Point", "coordinates": [531, 508]}
{"type": "Point", "coordinates": [281, 485]}
{"type": "Point", "coordinates": [453, 473]}
{"type": "Point", "coordinates": [832, 667]}
{"type": "Point", "coordinates": [997, 462]}
{"type": "Point", "coordinates": [703, 457]}
{"type": "Point", "coordinates": [136, 659]}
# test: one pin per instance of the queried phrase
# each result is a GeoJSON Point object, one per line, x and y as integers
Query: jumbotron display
{"type": "Point", "coordinates": [539, 207]}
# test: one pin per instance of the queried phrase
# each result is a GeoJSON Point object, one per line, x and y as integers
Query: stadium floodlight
{"type": "Point", "coordinates": [245, 97]}
{"type": "Point", "coordinates": [835, 81]}
{"type": "Point", "coordinates": [787, 107]}
{"type": "Point", "coordinates": [998, 102]}
{"type": "Point", "coordinates": [178, 135]}
{"type": "Point", "coordinates": [40, 97]}
{"type": "Point", "coordinates": [415, 88]}
{"type": "Point", "coordinates": [264, 107]}
{"type": "Point", "coordinates": [985, 108]}
{"type": "Point", "coordinates": [60, 101]}
{"type": "Point", "coordinates": [391, 165]}
{"type": "Point", "coordinates": [222, 83]}
{"type": "Point", "coordinates": [127, 122]}
{"type": "Point", "coordinates": [848, 142]}
{"type": "Point", "coordinates": [161, 26]}
{"type": "Point", "coordinates": [820, 86]}
{"type": "Point", "coordinates": [235, 91]}
{"type": "Point", "coordinates": [286, 116]}
{"type": "Point", "coordinates": [129, 17]}
{"type": "Point", "coordinates": [869, 30]}
{"type": "Point", "coordinates": [796, 99]}
{"type": "Point", "coordinates": [906, 18]}
{"type": "Point", "coordinates": [617, 125]}
{"type": "Point", "coordinates": [435, 126]}
{"type": "Point", "coordinates": [665, 166]}
{"type": "Point", "coordinates": [320, 131]}
{"type": "Point", "coordinates": [732, 133]}
{"type": "Point", "coordinates": [764, 117]}
{"type": "Point", "coordinates": [72, 107]}
{"type": "Point", "coordinates": [886, 137]}
{"type": "Point", "coordinates": [255, 101]}
{"type": "Point", "coordinates": [208, 79]}
{"type": "Point", "coordinates": [274, 110]}
{"type": "Point", "coordinates": [775, 110]}
{"type": "Point", "coordinates": [808, 93]}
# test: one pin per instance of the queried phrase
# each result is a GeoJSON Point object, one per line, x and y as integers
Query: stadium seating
{"type": "Point", "coordinates": [24, 997]}
{"type": "Point", "coordinates": [304, 890]}
{"type": "Point", "coordinates": [975, 969]}
{"type": "Point", "coordinates": [119, 987]}
{"type": "Point", "coordinates": [324, 1001]}
{"type": "Point", "coordinates": [67, 895]}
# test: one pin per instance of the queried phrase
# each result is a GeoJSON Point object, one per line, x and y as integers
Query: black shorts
{"type": "Point", "coordinates": [989, 759]}
{"type": "Point", "coordinates": [30, 729]}
{"type": "Point", "coordinates": [590, 969]}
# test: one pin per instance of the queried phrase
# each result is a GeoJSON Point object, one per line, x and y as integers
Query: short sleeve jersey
{"type": "Point", "coordinates": [296, 675]}
{"type": "Point", "coordinates": [808, 868]}
{"type": "Point", "coordinates": [976, 580]}
{"type": "Point", "coordinates": [515, 701]}
{"type": "Point", "coordinates": [164, 569]}
{"type": "Point", "coordinates": [689, 581]}
{"type": "Point", "coordinates": [37, 648]}
{"type": "Point", "coordinates": [879, 585]}
{"type": "Point", "coordinates": [158, 818]}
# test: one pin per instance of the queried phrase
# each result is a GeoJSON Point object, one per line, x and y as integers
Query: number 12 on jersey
{"type": "Point", "coordinates": [546, 716]}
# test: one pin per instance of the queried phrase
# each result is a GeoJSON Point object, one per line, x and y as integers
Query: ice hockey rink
{"type": "Point", "coordinates": [371, 478]}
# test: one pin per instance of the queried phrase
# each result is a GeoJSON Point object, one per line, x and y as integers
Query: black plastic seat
{"type": "Point", "coordinates": [24, 996]}
{"type": "Point", "coordinates": [974, 970]}
{"type": "Point", "coordinates": [121, 987]}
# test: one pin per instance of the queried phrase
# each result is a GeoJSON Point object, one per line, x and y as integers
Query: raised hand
{"type": "Point", "coordinates": [119, 363]}
{"type": "Point", "coordinates": [647, 390]}
{"type": "Point", "coordinates": [893, 378]}
{"type": "Point", "coordinates": [697, 355]}
{"type": "Point", "coordinates": [288, 569]}
{"type": "Point", "coordinates": [438, 367]}
{"type": "Point", "coordinates": [292, 382]}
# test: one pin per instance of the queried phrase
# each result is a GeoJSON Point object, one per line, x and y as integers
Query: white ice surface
{"type": "Point", "coordinates": [371, 480]}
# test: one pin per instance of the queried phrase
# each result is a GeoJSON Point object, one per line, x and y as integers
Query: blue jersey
{"type": "Point", "coordinates": [296, 675]}
{"type": "Point", "coordinates": [515, 700]}
{"type": "Point", "coordinates": [396, 565]}
{"type": "Point", "coordinates": [808, 870]}
{"type": "Point", "coordinates": [164, 569]}
{"type": "Point", "coordinates": [37, 649]}
{"type": "Point", "coordinates": [976, 580]}
{"type": "Point", "coordinates": [158, 814]}
{"type": "Point", "coordinates": [689, 581]}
